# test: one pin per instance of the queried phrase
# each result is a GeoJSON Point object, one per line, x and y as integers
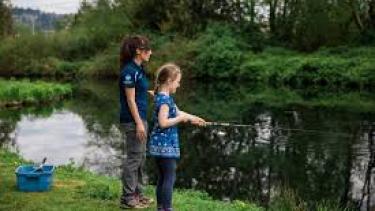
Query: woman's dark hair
{"type": "Point", "coordinates": [129, 48]}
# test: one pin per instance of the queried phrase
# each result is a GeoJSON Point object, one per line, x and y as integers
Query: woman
{"type": "Point", "coordinates": [133, 86]}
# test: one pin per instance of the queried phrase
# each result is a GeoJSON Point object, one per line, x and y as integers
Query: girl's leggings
{"type": "Point", "coordinates": [167, 176]}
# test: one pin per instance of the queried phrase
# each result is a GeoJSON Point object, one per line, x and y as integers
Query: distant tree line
{"type": "Point", "coordinates": [41, 21]}
{"type": "Point", "coordinates": [302, 24]}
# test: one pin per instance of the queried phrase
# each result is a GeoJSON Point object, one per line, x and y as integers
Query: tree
{"type": "Point", "coordinates": [309, 24]}
{"type": "Point", "coordinates": [184, 16]}
{"type": "Point", "coordinates": [6, 23]}
{"type": "Point", "coordinates": [363, 15]}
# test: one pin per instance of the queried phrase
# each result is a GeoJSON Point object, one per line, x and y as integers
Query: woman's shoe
{"type": "Point", "coordinates": [145, 200]}
{"type": "Point", "coordinates": [132, 204]}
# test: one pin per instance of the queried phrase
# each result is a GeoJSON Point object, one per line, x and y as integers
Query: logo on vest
{"type": "Point", "coordinates": [128, 80]}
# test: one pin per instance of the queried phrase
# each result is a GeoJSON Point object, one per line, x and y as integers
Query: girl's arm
{"type": "Point", "coordinates": [140, 129]}
{"type": "Point", "coordinates": [165, 122]}
{"type": "Point", "coordinates": [195, 120]}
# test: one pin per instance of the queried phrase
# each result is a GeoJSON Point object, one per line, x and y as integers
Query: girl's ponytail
{"type": "Point", "coordinates": [157, 86]}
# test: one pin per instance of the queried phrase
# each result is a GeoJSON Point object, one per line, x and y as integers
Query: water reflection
{"type": "Point", "coordinates": [7, 134]}
{"type": "Point", "coordinates": [319, 145]}
{"type": "Point", "coordinates": [60, 137]}
{"type": "Point", "coordinates": [363, 171]}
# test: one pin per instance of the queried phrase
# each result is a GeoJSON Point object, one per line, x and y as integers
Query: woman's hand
{"type": "Point", "coordinates": [141, 132]}
{"type": "Point", "coordinates": [197, 121]}
{"type": "Point", "coordinates": [151, 93]}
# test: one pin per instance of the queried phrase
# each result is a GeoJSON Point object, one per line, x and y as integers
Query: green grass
{"type": "Point", "coordinates": [14, 93]}
{"type": "Point", "coordinates": [77, 189]}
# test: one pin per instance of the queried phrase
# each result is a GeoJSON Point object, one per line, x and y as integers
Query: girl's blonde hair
{"type": "Point", "coordinates": [166, 72]}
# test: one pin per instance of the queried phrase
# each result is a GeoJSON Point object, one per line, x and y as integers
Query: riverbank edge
{"type": "Point", "coordinates": [18, 93]}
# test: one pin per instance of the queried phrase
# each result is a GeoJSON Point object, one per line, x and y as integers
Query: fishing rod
{"type": "Point", "coordinates": [228, 124]}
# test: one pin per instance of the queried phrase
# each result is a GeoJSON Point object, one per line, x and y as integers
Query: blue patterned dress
{"type": "Point", "coordinates": [164, 142]}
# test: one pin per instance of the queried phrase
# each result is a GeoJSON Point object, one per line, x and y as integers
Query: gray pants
{"type": "Point", "coordinates": [133, 164]}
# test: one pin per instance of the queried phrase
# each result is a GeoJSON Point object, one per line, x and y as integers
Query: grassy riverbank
{"type": "Point", "coordinates": [76, 189]}
{"type": "Point", "coordinates": [16, 93]}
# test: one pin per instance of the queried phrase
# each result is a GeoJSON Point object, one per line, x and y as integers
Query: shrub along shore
{"type": "Point", "coordinates": [17, 93]}
{"type": "Point", "coordinates": [217, 53]}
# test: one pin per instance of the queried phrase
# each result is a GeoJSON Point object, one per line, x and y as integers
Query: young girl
{"type": "Point", "coordinates": [164, 143]}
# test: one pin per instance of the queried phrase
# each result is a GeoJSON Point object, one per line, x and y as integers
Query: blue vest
{"type": "Point", "coordinates": [133, 76]}
{"type": "Point", "coordinates": [164, 141]}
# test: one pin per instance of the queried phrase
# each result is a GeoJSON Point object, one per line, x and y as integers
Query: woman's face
{"type": "Point", "coordinates": [145, 55]}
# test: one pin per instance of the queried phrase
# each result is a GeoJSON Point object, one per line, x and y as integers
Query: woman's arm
{"type": "Point", "coordinates": [165, 122]}
{"type": "Point", "coordinates": [130, 98]}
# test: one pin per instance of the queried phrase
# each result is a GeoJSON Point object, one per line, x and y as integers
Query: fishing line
{"type": "Point", "coordinates": [227, 124]}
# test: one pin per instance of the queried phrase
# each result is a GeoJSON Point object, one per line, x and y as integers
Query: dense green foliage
{"type": "Point", "coordinates": [211, 40]}
{"type": "Point", "coordinates": [340, 67]}
{"type": "Point", "coordinates": [26, 92]}
{"type": "Point", "coordinates": [305, 25]}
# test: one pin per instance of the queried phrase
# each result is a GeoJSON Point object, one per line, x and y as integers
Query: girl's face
{"type": "Point", "coordinates": [173, 85]}
{"type": "Point", "coordinates": [144, 55]}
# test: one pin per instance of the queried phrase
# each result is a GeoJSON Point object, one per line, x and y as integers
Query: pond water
{"type": "Point", "coordinates": [318, 144]}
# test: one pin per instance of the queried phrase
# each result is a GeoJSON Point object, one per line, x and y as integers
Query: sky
{"type": "Point", "coordinates": [55, 6]}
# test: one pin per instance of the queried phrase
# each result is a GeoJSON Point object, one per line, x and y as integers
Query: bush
{"type": "Point", "coordinates": [178, 50]}
{"type": "Point", "coordinates": [77, 47]}
{"type": "Point", "coordinates": [65, 68]}
{"type": "Point", "coordinates": [328, 67]}
{"type": "Point", "coordinates": [92, 32]}
{"type": "Point", "coordinates": [103, 64]}
{"type": "Point", "coordinates": [253, 69]}
{"type": "Point", "coordinates": [219, 52]}
{"type": "Point", "coordinates": [367, 37]}
{"type": "Point", "coordinates": [18, 54]}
